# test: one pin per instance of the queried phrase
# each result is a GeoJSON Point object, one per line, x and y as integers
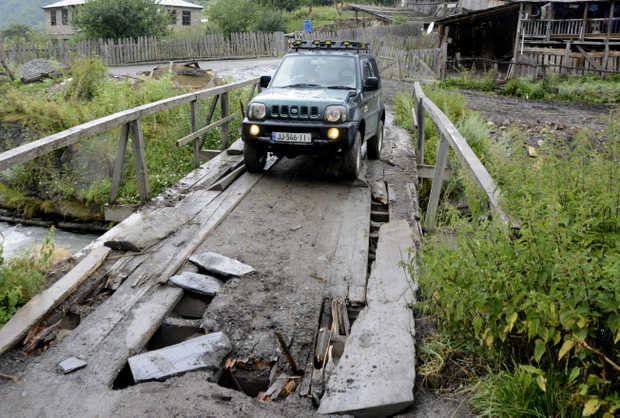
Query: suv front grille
{"type": "Point", "coordinates": [290, 112]}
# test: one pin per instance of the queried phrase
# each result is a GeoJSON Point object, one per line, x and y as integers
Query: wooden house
{"type": "Point", "coordinates": [58, 16]}
{"type": "Point", "coordinates": [534, 38]}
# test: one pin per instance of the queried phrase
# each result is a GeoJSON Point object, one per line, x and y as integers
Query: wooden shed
{"type": "Point", "coordinates": [535, 38]}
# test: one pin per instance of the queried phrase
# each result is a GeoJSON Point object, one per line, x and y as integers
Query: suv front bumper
{"type": "Point", "coordinates": [320, 144]}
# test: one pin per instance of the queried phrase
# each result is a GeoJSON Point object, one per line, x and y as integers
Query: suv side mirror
{"type": "Point", "coordinates": [265, 80]}
{"type": "Point", "coordinates": [371, 84]}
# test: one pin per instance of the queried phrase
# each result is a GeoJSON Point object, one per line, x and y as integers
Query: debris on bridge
{"type": "Point", "coordinates": [199, 283]}
{"type": "Point", "coordinates": [70, 365]}
{"type": "Point", "coordinates": [201, 353]}
{"type": "Point", "coordinates": [221, 265]}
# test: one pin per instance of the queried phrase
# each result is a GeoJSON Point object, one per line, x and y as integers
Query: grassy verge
{"type": "Point", "coordinates": [588, 88]}
{"type": "Point", "coordinates": [539, 309]}
{"type": "Point", "coordinates": [75, 181]}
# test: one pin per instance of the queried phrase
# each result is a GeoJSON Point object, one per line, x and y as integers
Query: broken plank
{"type": "Point", "coordinates": [111, 334]}
{"type": "Point", "coordinates": [205, 222]}
{"type": "Point", "coordinates": [379, 192]}
{"type": "Point", "coordinates": [201, 353]}
{"type": "Point", "coordinates": [40, 305]}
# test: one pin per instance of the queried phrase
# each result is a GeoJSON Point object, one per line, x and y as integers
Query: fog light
{"type": "Point", "coordinates": [333, 133]}
{"type": "Point", "coordinates": [254, 130]}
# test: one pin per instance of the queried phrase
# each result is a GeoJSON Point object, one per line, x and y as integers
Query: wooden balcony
{"type": "Point", "coordinates": [571, 29]}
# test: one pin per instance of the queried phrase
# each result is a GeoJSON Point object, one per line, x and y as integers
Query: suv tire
{"type": "Point", "coordinates": [376, 143]}
{"type": "Point", "coordinates": [352, 159]}
{"type": "Point", "coordinates": [254, 156]}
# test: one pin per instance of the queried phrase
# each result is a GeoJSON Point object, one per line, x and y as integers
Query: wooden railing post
{"type": "Point", "coordinates": [440, 166]}
{"type": "Point", "coordinates": [137, 140]}
{"type": "Point", "coordinates": [118, 164]}
{"type": "Point", "coordinates": [419, 118]}
{"type": "Point", "coordinates": [197, 143]}
{"type": "Point", "coordinates": [225, 125]}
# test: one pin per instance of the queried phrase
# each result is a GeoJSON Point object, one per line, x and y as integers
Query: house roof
{"type": "Point", "coordinates": [169, 3]}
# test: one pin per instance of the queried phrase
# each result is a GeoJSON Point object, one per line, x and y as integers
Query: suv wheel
{"type": "Point", "coordinates": [376, 143]}
{"type": "Point", "coordinates": [254, 156]}
{"type": "Point", "coordinates": [352, 159]}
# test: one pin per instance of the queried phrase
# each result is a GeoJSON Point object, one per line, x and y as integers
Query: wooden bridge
{"type": "Point", "coordinates": [324, 317]}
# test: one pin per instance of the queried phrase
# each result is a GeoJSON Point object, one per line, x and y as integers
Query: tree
{"type": "Point", "coordinates": [116, 19]}
{"type": "Point", "coordinates": [16, 32]}
{"type": "Point", "coordinates": [233, 15]}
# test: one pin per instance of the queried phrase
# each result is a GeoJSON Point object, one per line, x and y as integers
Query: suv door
{"type": "Point", "coordinates": [371, 100]}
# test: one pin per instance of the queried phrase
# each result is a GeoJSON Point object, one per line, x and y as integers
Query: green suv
{"type": "Point", "coordinates": [324, 99]}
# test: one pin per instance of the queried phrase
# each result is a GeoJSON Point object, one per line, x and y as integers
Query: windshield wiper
{"type": "Point", "coordinates": [341, 87]}
{"type": "Point", "coordinates": [303, 85]}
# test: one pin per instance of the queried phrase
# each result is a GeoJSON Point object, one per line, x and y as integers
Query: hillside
{"type": "Point", "coordinates": [23, 11]}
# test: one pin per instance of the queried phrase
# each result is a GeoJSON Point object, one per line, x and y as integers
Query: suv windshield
{"type": "Point", "coordinates": [316, 71]}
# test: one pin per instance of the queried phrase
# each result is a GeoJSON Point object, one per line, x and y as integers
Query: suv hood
{"type": "Point", "coordinates": [318, 96]}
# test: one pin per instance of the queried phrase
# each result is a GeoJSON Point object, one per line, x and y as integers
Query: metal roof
{"type": "Point", "coordinates": [169, 3]}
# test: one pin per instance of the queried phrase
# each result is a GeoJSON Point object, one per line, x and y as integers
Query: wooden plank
{"type": "Point", "coordinates": [426, 171]}
{"type": "Point", "coordinates": [206, 129]}
{"type": "Point", "coordinates": [40, 305]}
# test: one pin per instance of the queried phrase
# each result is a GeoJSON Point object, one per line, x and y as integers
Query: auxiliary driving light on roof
{"type": "Point", "coordinates": [317, 42]}
{"type": "Point", "coordinates": [346, 43]}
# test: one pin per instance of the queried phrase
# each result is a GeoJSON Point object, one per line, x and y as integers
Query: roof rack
{"type": "Point", "coordinates": [298, 45]}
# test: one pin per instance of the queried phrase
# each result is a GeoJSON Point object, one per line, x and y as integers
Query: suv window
{"type": "Point", "coordinates": [367, 68]}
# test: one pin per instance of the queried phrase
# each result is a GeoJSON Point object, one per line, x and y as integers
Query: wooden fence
{"type": "Point", "coordinates": [538, 62]}
{"type": "Point", "coordinates": [145, 49]}
{"type": "Point", "coordinates": [130, 120]}
{"type": "Point", "coordinates": [449, 136]}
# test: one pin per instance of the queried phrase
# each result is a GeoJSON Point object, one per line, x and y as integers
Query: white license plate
{"type": "Point", "coordinates": [290, 137]}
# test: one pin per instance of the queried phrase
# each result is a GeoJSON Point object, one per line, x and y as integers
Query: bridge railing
{"type": "Point", "coordinates": [130, 120]}
{"type": "Point", "coordinates": [449, 137]}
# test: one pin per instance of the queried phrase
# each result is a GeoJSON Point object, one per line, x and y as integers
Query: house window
{"type": "Point", "coordinates": [187, 18]}
{"type": "Point", "coordinates": [65, 17]}
{"type": "Point", "coordinates": [173, 13]}
{"type": "Point", "coordinates": [53, 17]}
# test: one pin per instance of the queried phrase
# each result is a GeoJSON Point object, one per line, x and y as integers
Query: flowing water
{"type": "Point", "coordinates": [18, 238]}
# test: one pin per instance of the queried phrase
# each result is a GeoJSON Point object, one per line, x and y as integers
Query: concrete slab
{"type": "Point", "coordinates": [201, 353]}
{"type": "Point", "coordinates": [376, 373]}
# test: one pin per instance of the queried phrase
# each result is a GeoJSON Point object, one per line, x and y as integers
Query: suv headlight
{"type": "Point", "coordinates": [335, 113]}
{"type": "Point", "coordinates": [256, 111]}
